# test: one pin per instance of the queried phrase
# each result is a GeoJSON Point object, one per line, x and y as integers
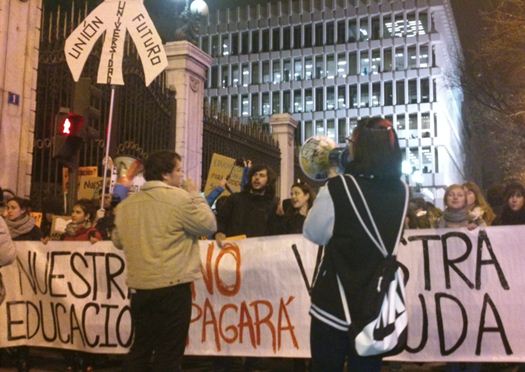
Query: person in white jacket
{"type": "Point", "coordinates": [7, 247]}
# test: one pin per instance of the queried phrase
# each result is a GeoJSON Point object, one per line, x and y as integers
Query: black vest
{"type": "Point", "coordinates": [350, 253]}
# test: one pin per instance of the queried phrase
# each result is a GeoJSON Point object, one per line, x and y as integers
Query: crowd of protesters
{"type": "Point", "coordinates": [254, 211]}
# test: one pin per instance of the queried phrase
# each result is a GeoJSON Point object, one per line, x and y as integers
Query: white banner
{"type": "Point", "coordinates": [116, 18]}
{"type": "Point", "coordinates": [464, 296]}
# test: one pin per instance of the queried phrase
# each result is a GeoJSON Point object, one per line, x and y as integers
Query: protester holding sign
{"type": "Point", "coordinates": [351, 258]}
{"type": "Point", "coordinates": [19, 221]}
{"type": "Point", "coordinates": [251, 212]}
{"type": "Point", "coordinates": [158, 228]}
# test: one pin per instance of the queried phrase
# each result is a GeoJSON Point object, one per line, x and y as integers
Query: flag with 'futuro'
{"type": "Point", "coordinates": [115, 18]}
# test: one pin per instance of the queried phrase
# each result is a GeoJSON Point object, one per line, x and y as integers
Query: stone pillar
{"type": "Point", "coordinates": [19, 43]}
{"type": "Point", "coordinates": [186, 74]}
{"type": "Point", "coordinates": [283, 127]}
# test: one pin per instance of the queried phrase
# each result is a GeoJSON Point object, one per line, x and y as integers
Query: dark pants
{"type": "Point", "coordinates": [161, 319]}
{"type": "Point", "coordinates": [330, 347]}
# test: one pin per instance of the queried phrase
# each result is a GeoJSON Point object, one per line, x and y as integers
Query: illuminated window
{"type": "Point", "coordinates": [298, 69]}
{"type": "Point", "coordinates": [245, 71]}
{"type": "Point", "coordinates": [330, 98]}
{"type": "Point", "coordinates": [297, 101]}
{"type": "Point", "coordinates": [364, 102]}
{"type": "Point", "coordinates": [341, 97]}
{"type": "Point", "coordinates": [412, 56]}
{"type": "Point", "coordinates": [287, 70]}
{"type": "Point", "coordinates": [235, 75]}
{"type": "Point", "coordinates": [342, 65]}
{"type": "Point", "coordinates": [245, 105]}
{"type": "Point", "coordinates": [423, 56]}
{"type": "Point", "coordinates": [266, 104]}
{"type": "Point", "coordinates": [266, 78]}
{"type": "Point", "coordinates": [363, 29]}
{"type": "Point", "coordinates": [376, 61]}
{"type": "Point", "coordinates": [364, 63]}
{"type": "Point", "coordinates": [308, 100]}
{"type": "Point", "coordinates": [308, 68]}
{"type": "Point", "coordinates": [276, 102]}
{"type": "Point", "coordinates": [330, 66]}
{"type": "Point", "coordinates": [387, 59]}
{"type": "Point", "coordinates": [376, 94]}
{"type": "Point", "coordinates": [276, 70]}
{"type": "Point", "coordinates": [225, 44]}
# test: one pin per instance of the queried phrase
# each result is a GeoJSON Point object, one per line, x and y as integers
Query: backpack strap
{"type": "Point", "coordinates": [377, 240]}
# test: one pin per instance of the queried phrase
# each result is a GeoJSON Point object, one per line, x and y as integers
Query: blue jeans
{"type": "Point", "coordinates": [330, 347]}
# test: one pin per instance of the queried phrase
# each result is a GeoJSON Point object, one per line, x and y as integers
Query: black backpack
{"type": "Point", "coordinates": [385, 330]}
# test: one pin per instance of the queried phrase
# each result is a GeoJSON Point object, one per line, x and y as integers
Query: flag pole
{"type": "Point", "coordinates": [101, 211]}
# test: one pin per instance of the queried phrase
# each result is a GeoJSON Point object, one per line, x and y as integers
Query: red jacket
{"type": "Point", "coordinates": [84, 235]}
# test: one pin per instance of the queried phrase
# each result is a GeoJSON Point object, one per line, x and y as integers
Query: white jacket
{"type": "Point", "coordinates": [7, 247]}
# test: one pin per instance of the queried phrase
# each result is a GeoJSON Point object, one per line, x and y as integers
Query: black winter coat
{"type": "Point", "coordinates": [249, 214]}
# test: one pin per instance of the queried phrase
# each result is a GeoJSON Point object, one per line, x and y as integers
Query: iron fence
{"type": "Point", "coordinates": [143, 119]}
{"type": "Point", "coordinates": [227, 136]}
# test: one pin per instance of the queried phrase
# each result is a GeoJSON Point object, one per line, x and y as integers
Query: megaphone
{"type": "Point", "coordinates": [319, 156]}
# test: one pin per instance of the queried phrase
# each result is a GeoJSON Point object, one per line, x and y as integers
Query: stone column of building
{"type": "Point", "coordinates": [19, 43]}
{"type": "Point", "coordinates": [283, 127]}
{"type": "Point", "coordinates": [186, 74]}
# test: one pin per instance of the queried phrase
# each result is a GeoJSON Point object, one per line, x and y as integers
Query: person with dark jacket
{"type": "Point", "coordinates": [21, 227]}
{"type": "Point", "coordinates": [295, 209]}
{"type": "Point", "coordinates": [251, 212]}
{"type": "Point", "coordinates": [513, 212]}
{"type": "Point", "coordinates": [351, 257]}
{"type": "Point", "coordinates": [21, 224]}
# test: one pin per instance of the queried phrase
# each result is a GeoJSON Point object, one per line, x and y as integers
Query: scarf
{"type": "Point", "coordinates": [20, 225]}
{"type": "Point", "coordinates": [455, 216]}
{"type": "Point", "coordinates": [74, 229]}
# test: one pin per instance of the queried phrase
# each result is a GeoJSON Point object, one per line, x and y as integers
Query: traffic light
{"type": "Point", "coordinates": [68, 138]}
{"type": "Point", "coordinates": [74, 128]}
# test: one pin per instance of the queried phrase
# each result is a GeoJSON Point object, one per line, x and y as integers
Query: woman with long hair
{"type": "Point", "coordinates": [478, 209]}
{"type": "Point", "coordinates": [295, 209]}
{"type": "Point", "coordinates": [513, 212]}
{"type": "Point", "coordinates": [456, 213]}
{"type": "Point", "coordinates": [351, 257]}
{"type": "Point", "coordinates": [21, 224]}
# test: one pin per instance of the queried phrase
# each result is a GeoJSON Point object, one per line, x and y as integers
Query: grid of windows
{"type": "Point", "coordinates": [358, 72]}
{"type": "Point", "coordinates": [333, 32]}
{"type": "Point", "coordinates": [332, 65]}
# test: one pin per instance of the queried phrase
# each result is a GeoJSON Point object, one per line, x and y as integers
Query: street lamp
{"type": "Point", "coordinates": [189, 20]}
{"type": "Point", "coordinates": [198, 7]}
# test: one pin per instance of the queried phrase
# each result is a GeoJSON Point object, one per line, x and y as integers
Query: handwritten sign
{"type": "Point", "coordinates": [462, 294]}
{"type": "Point", "coordinates": [115, 18]}
{"type": "Point", "coordinates": [223, 167]}
{"type": "Point", "coordinates": [89, 187]}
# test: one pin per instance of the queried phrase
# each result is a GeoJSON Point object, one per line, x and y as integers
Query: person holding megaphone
{"type": "Point", "coordinates": [372, 181]}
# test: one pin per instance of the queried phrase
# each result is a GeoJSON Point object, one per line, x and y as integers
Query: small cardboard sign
{"type": "Point", "coordinates": [223, 167]}
{"type": "Point", "coordinates": [89, 187]}
{"type": "Point", "coordinates": [59, 223]}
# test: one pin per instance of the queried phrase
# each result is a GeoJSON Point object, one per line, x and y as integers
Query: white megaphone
{"type": "Point", "coordinates": [319, 156]}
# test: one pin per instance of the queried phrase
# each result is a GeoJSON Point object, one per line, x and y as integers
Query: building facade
{"type": "Point", "coordinates": [331, 62]}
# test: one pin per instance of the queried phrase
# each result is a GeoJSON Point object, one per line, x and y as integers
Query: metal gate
{"type": "Point", "coordinates": [143, 120]}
